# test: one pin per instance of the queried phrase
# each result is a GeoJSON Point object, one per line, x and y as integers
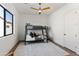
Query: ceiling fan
{"type": "Point", "coordinates": [40, 9]}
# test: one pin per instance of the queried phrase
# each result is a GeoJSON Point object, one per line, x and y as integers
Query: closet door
{"type": "Point", "coordinates": [77, 36]}
{"type": "Point", "coordinates": [71, 29]}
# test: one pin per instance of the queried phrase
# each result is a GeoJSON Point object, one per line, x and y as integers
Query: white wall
{"type": "Point", "coordinates": [7, 42]}
{"type": "Point", "coordinates": [33, 19]}
{"type": "Point", "coordinates": [57, 24]}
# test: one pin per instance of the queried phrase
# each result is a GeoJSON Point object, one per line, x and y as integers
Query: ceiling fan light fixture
{"type": "Point", "coordinates": [39, 11]}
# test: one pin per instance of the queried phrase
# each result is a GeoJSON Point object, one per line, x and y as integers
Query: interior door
{"type": "Point", "coordinates": [71, 29]}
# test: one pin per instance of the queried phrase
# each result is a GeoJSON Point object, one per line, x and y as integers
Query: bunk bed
{"type": "Point", "coordinates": [36, 33]}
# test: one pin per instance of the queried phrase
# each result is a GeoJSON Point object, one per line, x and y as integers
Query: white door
{"type": "Point", "coordinates": [71, 29]}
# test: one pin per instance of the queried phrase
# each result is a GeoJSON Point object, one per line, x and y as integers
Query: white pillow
{"type": "Point", "coordinates": [29, 38]}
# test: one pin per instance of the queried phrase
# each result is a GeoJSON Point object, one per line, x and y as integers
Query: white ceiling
{"type": "Point", "coordinates": [25, 7]}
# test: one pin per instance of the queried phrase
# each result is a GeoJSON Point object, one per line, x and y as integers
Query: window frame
{"type": "Point", "coordinates": [5, 21]}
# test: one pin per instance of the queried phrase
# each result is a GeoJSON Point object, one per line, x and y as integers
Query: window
{"type": "Point", "coordinates": [6, 22]}
{"type": "Point", "coordinates": [8, 19]}
{"type": "Point", "coordinates": [1, 21]}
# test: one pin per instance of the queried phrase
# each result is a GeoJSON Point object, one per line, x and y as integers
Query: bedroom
{"type": "Point", "coordinates": [60, 18]}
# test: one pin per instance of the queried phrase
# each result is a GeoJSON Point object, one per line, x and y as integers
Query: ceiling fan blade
{"type": "Point", "coordinates": [46, 8]}
{"type": "Point", "coordinates": [34, 8]}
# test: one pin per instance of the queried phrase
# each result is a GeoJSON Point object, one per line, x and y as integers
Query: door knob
{"type": "Point", "coordinates": [64, 34]}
